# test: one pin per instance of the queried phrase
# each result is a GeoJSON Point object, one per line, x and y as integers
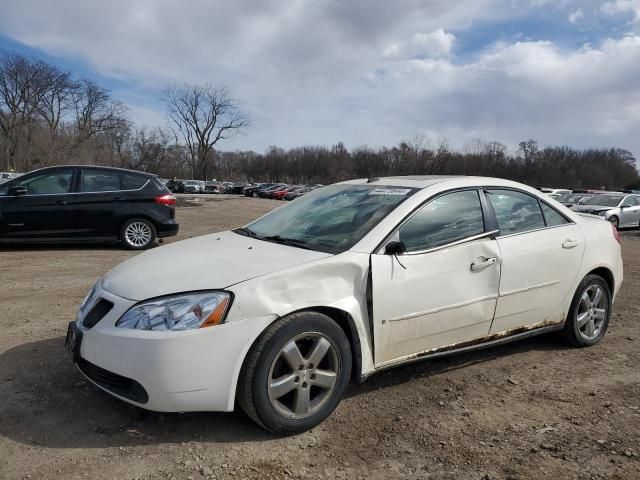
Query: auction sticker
{"type": "Point", "coordinates": [390, 191]}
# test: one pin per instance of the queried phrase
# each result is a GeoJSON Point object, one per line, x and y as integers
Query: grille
{"type": "Point", "coordinates": [97, 313]}
{"type": "Point", "coordinates": [112, 382]}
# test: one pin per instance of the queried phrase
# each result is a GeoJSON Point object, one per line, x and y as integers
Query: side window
{"type": "Point", "coordinates": [448, 218]}
{"type": "Point", "coordinates": [516, 212]}
{"type": "Point", "coordinates": [99, 181]}
{"type": "Point", "coordinates": [48, 183]}
{"type": "Point", "coordinates": [133, 182]}
{"type": "Point", "coordinates": [552, 217]}
{"type": "Point", "coordinates": [630, 202]}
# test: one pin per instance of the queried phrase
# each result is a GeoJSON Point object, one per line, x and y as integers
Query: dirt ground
{"type": "Point", "coordinates": [534, 409]}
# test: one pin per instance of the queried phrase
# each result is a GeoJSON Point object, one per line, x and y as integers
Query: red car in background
{"type": "Point", "coordinates": [279, 194]}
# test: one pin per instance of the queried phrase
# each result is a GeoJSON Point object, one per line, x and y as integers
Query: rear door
{"type": "Point", "coordinates": [443, 290]}
{"type": "Point", "coordinates": [94, 203]}
{"type": "Point", "coordinates": [44, 211]}
{"type": "Point", "coordinates": [541, 254]}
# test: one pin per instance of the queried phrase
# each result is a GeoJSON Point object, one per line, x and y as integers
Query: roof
{"type": "Point", "coordinates": [416, 181]}
{"type": "Point", "coordinates": [103, 167]}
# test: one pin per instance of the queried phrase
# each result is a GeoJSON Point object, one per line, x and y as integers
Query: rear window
{"type": "Point", "coordinates": [131, 181]}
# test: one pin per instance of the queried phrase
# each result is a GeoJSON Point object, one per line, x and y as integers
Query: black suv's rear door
{"type": "Point", "coordinates": [96, 203]}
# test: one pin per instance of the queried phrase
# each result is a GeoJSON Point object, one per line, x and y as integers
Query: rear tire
{"type": "Point", "coordinates": [296, 374]}
{"type": "Point", "coordinates": [137, 234]}
{"type": "Point", "coordinates": [590, 312]}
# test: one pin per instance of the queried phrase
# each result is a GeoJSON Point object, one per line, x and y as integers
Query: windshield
{"type": "Point", "coordinates": [330, 219]}
{"type": "Point", "coordinates": [570, 197]}
{"type": "Point", "coordinates": [604, 200]}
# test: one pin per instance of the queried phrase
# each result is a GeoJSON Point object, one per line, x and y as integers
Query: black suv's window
{"type": "Point", "coordinates": [516, 212]}
{"type": "Point", "coordinates": [44, 183]}
{"type": "Point", "coordinates": [99, 181]}
{"type": "Point", "coordinates": [446, 219]}
{"type": "Point", "coordinates": [131, 181]}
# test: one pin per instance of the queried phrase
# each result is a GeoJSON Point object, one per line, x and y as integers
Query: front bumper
{"type": "Point", "coordinates": [193, 370]}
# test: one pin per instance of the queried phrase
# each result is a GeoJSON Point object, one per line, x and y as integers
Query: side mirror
{"type": "Point", "coordinates": [395, 248]}
{"type": "Point", "coordinates": [17, 191]}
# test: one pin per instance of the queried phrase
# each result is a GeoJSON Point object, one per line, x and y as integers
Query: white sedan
{"type": "Point", "coordinates": [348, 280]}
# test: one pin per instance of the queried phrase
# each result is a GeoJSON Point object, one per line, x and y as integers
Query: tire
{"type": "Point", "coordinates": [255, 194]}
{"type": "Point", "coordinates": [137, 234]}
{"type": "Point", "coordinates": [288, 413]}
{"type": "Point", "coordinates": [615, 220]}
{"type": "Point", "coordinates": [586, 325]}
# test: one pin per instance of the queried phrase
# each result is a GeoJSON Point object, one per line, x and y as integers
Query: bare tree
{"type": "Point", "coordinates": [23, 83]}
{"type": "Point", "coordinates": [202, 115]}
{"type": "Point", "coordinates": [95, 111]}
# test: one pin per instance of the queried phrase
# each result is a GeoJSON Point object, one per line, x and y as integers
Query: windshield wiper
{"type": "Point", "coordinates": [246, 232]}
{"type": "Point", "coordinates": [285, 241]}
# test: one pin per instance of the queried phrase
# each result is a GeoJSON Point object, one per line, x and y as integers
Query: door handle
{"type": "Point", "coordinates": [61, 202]}
{"type": "Point", "coordinates": [477, 266]}
{"type": "Point", "coordinates": [119, 199]}
{"type": "Point", "coordinates": [568, 243]}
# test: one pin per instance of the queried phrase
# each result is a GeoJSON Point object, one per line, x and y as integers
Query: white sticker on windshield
{"type": "Point", "coordinates": [390, 191]}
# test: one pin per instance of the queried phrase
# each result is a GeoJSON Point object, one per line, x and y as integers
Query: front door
{"type": "Point", "coordinates": [443, 290]}
{"type": "Point", "coordinates": [43, 212]}
{"type": "Point", "coordinates": [630, 212]}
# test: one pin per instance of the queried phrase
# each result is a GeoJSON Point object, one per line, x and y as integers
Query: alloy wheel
{"type": "Point", "coordinates": [592, 312]}
{"type": "Point", "coordinates": [303, 375]}
{"type": "Point", "coordinates": [138, 234]}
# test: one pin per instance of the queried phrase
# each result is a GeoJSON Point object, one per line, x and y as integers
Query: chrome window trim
{"type": "Point", "coordinates": [83, 193]}
{"type": "Point", "coordinates": [452, 244]}
{"type": "Point", "coordinates": [499, 237]}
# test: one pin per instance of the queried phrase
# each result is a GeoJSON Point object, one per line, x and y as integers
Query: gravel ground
{"type": "Point", "coordinates": [533, 409]}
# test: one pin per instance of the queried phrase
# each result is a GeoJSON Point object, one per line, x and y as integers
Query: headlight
{"type": "Point", "coordinates": [178, 312]}
{"type": "Point", "coordinates": [603, 213]}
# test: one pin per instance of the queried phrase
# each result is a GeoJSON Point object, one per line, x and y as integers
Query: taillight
{"type": "Point", "coordinates": [616, 234]}
{"type": "Point", "coordinates": [167, 199]}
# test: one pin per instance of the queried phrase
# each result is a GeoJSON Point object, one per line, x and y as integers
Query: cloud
{"type": "Point", "coordinates": [622, 6]}
{"type": "Point", "coordinates": [313, 71]}
{"type": "Point", "coordinates": [576, 16]}
{"type": "Point", "coordinates": [434, 44]}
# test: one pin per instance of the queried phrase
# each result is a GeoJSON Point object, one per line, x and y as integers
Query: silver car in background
{"type": "Point", "coordinates": [623, 210]}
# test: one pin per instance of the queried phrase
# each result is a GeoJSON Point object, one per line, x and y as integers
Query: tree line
{"type": "Point", "coordinates": [50, 117]}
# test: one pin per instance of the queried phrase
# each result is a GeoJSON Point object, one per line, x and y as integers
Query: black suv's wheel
{"type": "Point", "coordinates": [589, 313]}
{"type": "Point", "coordinates": [296, 374]}
{"type": "Point", "coordinates": [137, 234]}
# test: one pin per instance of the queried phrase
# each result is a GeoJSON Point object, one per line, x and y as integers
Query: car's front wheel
{"type": "Point", "coordinates": [296, 373]}
{"type": "Point", "coordinates": [615, 220]}
{"type": "Point", "coordinates": [137, 234]}
{"type": "Point", "coordinates": [590, 312]}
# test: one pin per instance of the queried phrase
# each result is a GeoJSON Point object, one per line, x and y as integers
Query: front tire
{"type": "Point", "coordinates": [137, 234]}
{"type": "Point", "coordinates": [296, 374]}
{"type": "Point", "coordinates": [615, 221]}
{"type": "Point", "coordinates": [590, 312]}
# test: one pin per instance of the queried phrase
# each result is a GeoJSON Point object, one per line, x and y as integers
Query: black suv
{"type": "Point", "coordinates": [85, 203]}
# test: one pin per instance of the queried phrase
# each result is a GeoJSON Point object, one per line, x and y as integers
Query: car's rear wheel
{"type": "Point", "coordinates": [296, 373]}
{"type": "Point", "coordinates": [255, 194]}
{"type": "Point", "coordinates": [615, 220]}
{"type": "Point", "coordinates": [137, 234]}
{"type": "Point", "coordinates": [590, 312]}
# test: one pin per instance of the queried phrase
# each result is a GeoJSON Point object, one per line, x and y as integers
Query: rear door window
{"type": "Point", "coordinates": [552, 217]}
{"type": "Point", "coordinates": [516, 212]}
{"type": "Point", "coordinates": [99, 181]}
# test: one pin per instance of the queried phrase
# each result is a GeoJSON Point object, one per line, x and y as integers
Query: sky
{"type": "Point", "coordinates": [364, 72]}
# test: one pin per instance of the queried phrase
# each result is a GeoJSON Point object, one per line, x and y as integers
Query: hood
{"type": "Point", "coordinates": [213, 261]}
{"type": "Point", "coordinates": [593, 209]}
